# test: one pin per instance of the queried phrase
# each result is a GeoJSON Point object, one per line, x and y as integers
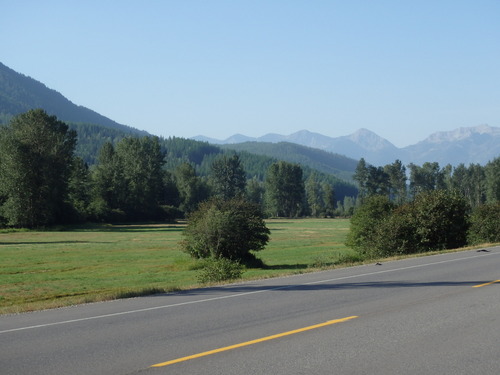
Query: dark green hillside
{"type": "Point", "coordinates": [202, 154]}
{"type": "Point", "coordinates": [256, 166]}
{"type": "Point", "coordinates": [199, 154]}
{"type": "Point", "coordinates": [326, 162]}
{"type": "Point", "coordinates": [19, 93]}
{"type": "Point", "coordinates": [91, 137]}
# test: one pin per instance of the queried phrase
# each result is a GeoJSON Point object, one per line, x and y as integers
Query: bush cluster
{"type": "Point", "coordinates": [485, 224]}
{"type": "Point", "coordinates": [435, 220]}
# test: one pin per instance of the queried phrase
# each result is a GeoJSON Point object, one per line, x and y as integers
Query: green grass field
{"type": "Point", "coordinates": [47, 269]}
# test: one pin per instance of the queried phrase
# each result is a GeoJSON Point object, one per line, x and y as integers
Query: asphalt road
{"type": "Point", "coordinates": [428, 315]}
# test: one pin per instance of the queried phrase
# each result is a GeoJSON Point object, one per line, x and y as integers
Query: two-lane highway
{"type": "Point", "coordinates": [436, 314]}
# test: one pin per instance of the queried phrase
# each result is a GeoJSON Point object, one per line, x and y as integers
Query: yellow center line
{"type": "Point", "coordinates": [252, 342]}
{"type": "Point", "coordinates": [485, 284]}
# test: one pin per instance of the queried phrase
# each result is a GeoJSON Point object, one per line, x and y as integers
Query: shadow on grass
{"type": "Point", "coordinates": [141, 228]}
{"type": "Point", "coordinates": [117, 228]}
{"type": "Point", "coordinates": [49, 242]}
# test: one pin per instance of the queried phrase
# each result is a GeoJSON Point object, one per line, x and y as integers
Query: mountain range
{"type": "Point", "coordinates": [478, 144]}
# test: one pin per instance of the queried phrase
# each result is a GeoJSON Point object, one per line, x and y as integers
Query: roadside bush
{"type": "Point", "coordinates": [485, 224]}
{"type": "Point", "coordinates": [435, 220]}
{"type": "Point", "coordinates": [221, 269]}
{"type": "Point", "coordinates": [441, 220]}
{"type": "Point", "coordinates": [364, 232]}
{"type": "Point", "coordinates": [226, 229]}
{"type": "Point", "coordinates": [397, 233]}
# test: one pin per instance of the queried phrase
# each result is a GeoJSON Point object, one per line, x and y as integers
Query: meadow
{"type": "Point", "coordinates": [55, 268]}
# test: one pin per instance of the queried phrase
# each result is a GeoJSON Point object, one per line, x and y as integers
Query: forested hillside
{"type": "Point", "coordinates": [327, 162]}
{"type": "Point", "coordinates": [202, 154]}
{"type": "Point", "coordinates": [19, 93]}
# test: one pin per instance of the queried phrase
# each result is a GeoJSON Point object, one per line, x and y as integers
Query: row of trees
{"type": "Point", "coordinates": [42, 182]}
{"type": "Point", "coordinates": [440, 208]}
{"type": "Point", "coordinates": [478, 184]}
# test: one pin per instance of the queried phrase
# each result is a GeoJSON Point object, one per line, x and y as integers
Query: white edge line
{"type": "Point", "coordinates": [236, 295]}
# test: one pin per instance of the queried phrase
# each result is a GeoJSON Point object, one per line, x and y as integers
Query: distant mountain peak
{"type": "Point", "coordinates": [462, 133]}
{"type": "Point", "coordinates": [238, 138]}
{"type": "Point", "coordinates": [477, 144]}
{"type": "Point", "coordinates": [369, 140]}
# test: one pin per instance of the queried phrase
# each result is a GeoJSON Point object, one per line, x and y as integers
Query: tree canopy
{"type": "Point", "coordinates": [284, 189]}
{"type": "Point", "coordinates": [36, 153]}
{"type": "Point", "coordinates": [228, 177]}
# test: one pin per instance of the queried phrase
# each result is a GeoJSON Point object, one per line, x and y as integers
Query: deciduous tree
{"type": "Point", "coordinates": [36, 152]}
{"type": "Point", "coordinates": [396, 173]}
{"type": "Point", "coordinates": [228, 177]}
{"type": "Point", "coordinates": [284, 189]}
{"type": "Point", "coordinates": [192, 189]}
{"type": "Point", "coordinates": [492, 172]}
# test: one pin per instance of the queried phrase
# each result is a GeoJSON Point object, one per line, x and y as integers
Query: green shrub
{"type": "Point", "coordinates": [397, 234]}
{"type": "Point", "coordinates": [349, 258]}
{"type": "Point", "coordinates": [441, 220]}
{"type": "Point", "coordinates": [226, 229]}
{"type": "Point", "coordinates": [217, 270]}
{"type": "Point", "coordinates": [435, 220]}
{"type": "Point", "coordinates": [485, 224]}
{"type": "Point", "coordinates": [367, 218]}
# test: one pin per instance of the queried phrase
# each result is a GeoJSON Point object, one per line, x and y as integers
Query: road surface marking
{"type": "Point", "coordinates": [263, 290]}
{"type": "Point", "coordinates": [252, 342]}
{"type": "Point", "coordinates": [485, 284]}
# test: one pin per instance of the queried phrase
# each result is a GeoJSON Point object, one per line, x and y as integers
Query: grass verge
{"type": "Point", "coordinates": [66, 266]}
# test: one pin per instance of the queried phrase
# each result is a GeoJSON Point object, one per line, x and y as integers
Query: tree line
{"type": "Point", "coordinates": [478, 184]}
{"type": "Point", "coordinates": [425, 208]}
{"type": "Point", "coordinates": [43, 182]}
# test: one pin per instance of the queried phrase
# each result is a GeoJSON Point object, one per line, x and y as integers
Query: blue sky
{"type": "Point", "coordinates": [403, 69]}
